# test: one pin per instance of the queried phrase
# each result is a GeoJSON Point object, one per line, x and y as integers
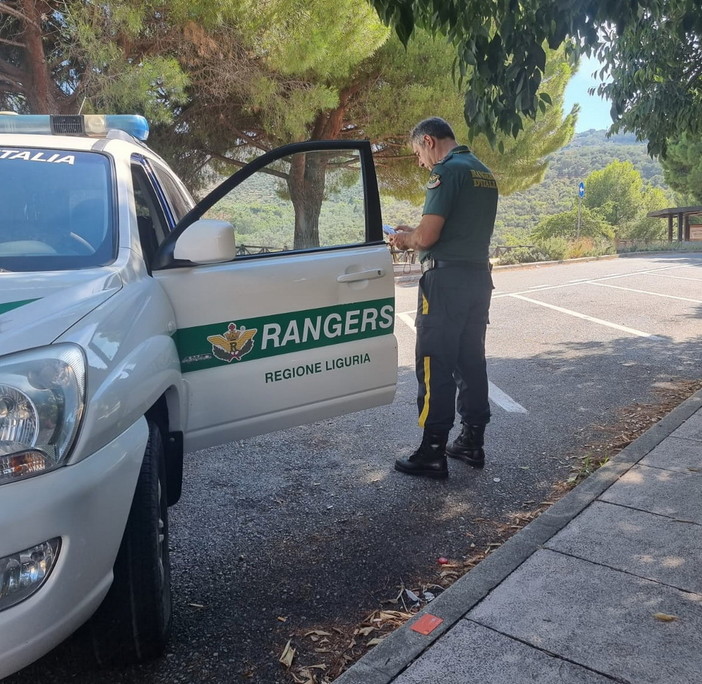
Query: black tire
{"type": "Point", "coordinates": [134, 620]}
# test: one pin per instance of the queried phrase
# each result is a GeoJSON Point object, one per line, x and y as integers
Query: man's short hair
{"type": "Point", "coordinates": [434, 126]}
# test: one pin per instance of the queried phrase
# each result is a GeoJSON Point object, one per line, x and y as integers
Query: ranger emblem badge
{"type": "Point", "coordinates": [434, 181]}
{"type": "Point", "coordinates": [234, 344]}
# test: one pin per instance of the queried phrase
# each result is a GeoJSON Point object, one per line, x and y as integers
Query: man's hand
{"type": "Point", "coordinates": [401, 238]}
{"type": "Point", "coordinates": [422, 237]}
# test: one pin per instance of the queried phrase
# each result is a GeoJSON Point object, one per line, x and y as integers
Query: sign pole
{"type": "Point", "coordinates": [577, 234]}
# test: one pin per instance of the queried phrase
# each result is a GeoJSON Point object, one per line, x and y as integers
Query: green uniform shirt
{"type": "Point", "coordinates": [462, 190]}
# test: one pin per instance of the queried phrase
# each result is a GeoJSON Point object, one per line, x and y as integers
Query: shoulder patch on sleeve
{"type": "Point", "coordinates": [434, 181]}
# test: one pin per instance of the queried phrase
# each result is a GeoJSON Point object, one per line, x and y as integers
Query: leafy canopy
{"type": "Point", "coordinates": [616, 204]}
{"type": "Point", "coordinates": [651, 48]}
{"type": "Point", "coordinates": [410, 84]}
{"type": "Point", "coordinates": [224, 81]}
{"type": "Point", "coordinates": [566, 225]}
{"type": "Point", "coordinates": [682, 168]}
{"type": "Point", "coordinates": [615, 192]}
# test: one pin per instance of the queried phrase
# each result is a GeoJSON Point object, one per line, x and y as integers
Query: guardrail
{"type": "Point", "coordinates": [409, 257]}
{"type": "Point", "coordinates": [398, 256]}
{"type": "Point", "coordinates": [499, 250]}
{"type": "Point", "coordinates": [242, 250]}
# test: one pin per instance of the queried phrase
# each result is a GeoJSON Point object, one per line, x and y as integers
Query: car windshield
{"type": "Point", "coordinates": [55, 210]}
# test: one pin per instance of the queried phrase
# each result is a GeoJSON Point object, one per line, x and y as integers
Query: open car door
{"type": "Point", "coordinates": [294, 322]}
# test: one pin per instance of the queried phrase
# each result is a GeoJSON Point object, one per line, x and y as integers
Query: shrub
{"type": "Point", "coordinates": [588, 247]}
{"type": "Point", "coordinates": [659, 246]}
{"type": "Point", "coordinates": [555, 248]}
{"type": "Point", "coordinates": [522, 255]}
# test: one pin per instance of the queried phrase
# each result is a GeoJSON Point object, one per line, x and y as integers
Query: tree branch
{"type": "Point", "coordinates": [241, 164]}
{"type": "Point", "coordinates": [4, 41]}
{"type": "Point", "coordinates": [6, 9]}
{"type": "Point", "coordinates": [11, 71]}
{"type": "Point", "coordinates": [251, 141]}
{"type": "Point", "coordinates": [12, 83]}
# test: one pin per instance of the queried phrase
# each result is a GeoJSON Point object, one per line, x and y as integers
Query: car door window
{"type": "Point", "coordinates": [176, 195]}
{"type": "Point", "coordinates": [151, 220]}
{"type": "Point", "coordinates": [307, 200]}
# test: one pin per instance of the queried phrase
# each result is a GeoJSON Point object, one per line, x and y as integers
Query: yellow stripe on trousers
{"type": "Point", "coordinates": [427, 392]}
{"type": "Point", "coordinates": [427, 374]}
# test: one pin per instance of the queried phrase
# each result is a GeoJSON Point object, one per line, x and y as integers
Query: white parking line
{"type": "Point", "coordinates": [646, 271]}
{"type": "Point", "coordinates": [654, 294]}
{"type": "Point", "coordinates": [496, 395]}
{"type": "Point", "coordinates": [592, 319]}
{"type": "Point", "coordinates": [407, 319]}
{"type": "Point", "coordinates": [503, 400]}
{"type": "Point", "coordinates": [667, 275]}
{"type": "Point", "coordinates": [582, 281]}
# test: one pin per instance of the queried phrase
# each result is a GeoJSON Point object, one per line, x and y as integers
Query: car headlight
{"type": "Point", "coordinates": [42, 397]}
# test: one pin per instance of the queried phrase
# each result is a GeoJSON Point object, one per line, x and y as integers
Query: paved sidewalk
{"type": "Point", "coordinates": [605, 586]}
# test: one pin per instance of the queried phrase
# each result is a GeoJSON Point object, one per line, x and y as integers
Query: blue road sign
{"type": "Point", "coordinates": [581, 190]}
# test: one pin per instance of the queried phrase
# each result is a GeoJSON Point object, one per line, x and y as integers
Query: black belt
{"type": "Point", "coordinates": [430, 263]}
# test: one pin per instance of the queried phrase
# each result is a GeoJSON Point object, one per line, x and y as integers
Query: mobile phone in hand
{"type": "Point", "coordinates": [388, 230]}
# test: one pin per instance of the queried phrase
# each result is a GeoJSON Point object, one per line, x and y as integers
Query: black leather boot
{"type": "Point", "coordinates": [429, 460]}
{"type": "Point", "coordinates": [468, 446]}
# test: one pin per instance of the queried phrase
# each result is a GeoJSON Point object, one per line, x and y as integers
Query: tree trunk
{"type": "Point", "coordinates": [306, 185]}
{"type": "Point", "coordinates": [39, 93]}
{"type": "Point", "coordinates": [308, 172]}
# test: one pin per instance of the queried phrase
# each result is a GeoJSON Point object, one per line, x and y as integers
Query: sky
{"type": "Point", "coordinates": [594, 111]}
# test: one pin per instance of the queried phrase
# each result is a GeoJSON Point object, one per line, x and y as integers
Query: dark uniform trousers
{"type": "Point", "coordinates": [452, 315]}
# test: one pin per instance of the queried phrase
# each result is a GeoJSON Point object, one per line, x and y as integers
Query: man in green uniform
{"type": "Point", "coordinates": [452, 242]}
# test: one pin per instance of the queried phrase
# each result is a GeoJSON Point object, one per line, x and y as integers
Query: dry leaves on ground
{"type": "Point", "coordinates": [338, 649]}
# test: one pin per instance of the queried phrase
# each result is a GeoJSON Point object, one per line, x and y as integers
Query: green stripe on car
{"type": "Point", "coordinates": [9, 306]}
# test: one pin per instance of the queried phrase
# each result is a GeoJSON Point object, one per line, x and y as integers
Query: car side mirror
{"type": "Point", "coordinates": [207, 241]}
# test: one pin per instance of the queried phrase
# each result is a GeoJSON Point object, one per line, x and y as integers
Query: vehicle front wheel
{"type": "Point", "coordinates": [134, 620]}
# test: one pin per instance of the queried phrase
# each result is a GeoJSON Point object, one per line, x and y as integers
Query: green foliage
{"type": "Point", "coordinates": [288, 114]}
{"type": "Point", "coordinates": [522, 255]}
{"type": "Point", "coordinates": [619, 195]}
{"type": "Point", "coordinates": [616, 204]}
{"type": "Point", "coordinates": [614, 193]}
{"type": "Point", "coordinates": [152, 89]}
{"type": "Point", "coordinates": [566, 225]}
{"type": "Point", "coordinates": [589, 151]}
{"type": "Point", "coordinates": [222, 81]}
{"type": "Point", "coordinates": [652, 48]}
{"type": "Point", "coordinates": [659, 246]}
{"type": "Point", "coordinates": [641, 228]}
{"type": "Point", "coordinates": [555, 248]}
{"type": "Point", "coordinates": [324, 39]}
{"type": "Point", "coordinates": [682, 168]}
{"type": "Point", "coordinates": [656, 83]}
{"type": "Point", "coordinates": [407, 83]}
{"type": "Point", "coordinates": [263, 215]}
{"type": "Point", "coordinates": [593, 150]}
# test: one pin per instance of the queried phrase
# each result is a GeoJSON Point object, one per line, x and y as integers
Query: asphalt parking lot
{"type": "Point", "coordinates": [310, 529]}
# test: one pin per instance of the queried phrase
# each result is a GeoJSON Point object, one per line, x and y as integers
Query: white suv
{"type": "Point", "coordinates": [133, 329]}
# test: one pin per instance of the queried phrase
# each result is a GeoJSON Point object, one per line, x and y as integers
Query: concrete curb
{"type": "Point", "coordinates": [398, 650]}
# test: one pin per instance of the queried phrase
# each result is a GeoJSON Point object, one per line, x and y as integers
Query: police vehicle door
{"type": "Point", "coordinates": [298, 326]}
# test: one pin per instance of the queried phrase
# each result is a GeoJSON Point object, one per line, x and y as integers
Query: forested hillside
{"type": "Point", "coordinates": [264, 217]}
{"type": "Point", "coordinates": [589, 151]}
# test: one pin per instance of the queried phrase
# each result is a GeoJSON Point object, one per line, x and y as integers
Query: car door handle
{"type": "Point", "coordinates": [361, 275]}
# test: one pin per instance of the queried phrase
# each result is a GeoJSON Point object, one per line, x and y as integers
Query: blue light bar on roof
{"type": "Point", "coordinates": [91, 125]}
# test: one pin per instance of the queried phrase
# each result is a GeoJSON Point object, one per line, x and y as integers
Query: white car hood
{"type": "Point", "coordinates": [37, 308]}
